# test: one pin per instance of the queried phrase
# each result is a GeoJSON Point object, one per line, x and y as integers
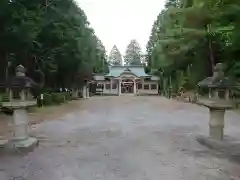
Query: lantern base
{"type": "Point", "coordinates": [25, 145]}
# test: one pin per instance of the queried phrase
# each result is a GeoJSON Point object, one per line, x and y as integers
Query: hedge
{"type": "Point", "coordinates": [55, 98]}
{"type": "Point", "coordinates": [59, 98]}
{"type": "Point", "coordinates": [48, 98]}
{"type": "Point", "coordinates": [4, 97]}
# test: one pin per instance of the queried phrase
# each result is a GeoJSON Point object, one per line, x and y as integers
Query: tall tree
{"type": "Point", "coordinates": [190, 37]}
{"type": "Point", "coordinates": [115, 57]}
{"type": "Point", "coordinates": [133, 53]}
{"type": "Point", "coordinates": [53, 38]}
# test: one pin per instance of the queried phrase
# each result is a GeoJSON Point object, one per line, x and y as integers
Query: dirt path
{"type": "Point", "coordinates": [125, 138]}
{"type": "Point", "coordinates": [39, 115]}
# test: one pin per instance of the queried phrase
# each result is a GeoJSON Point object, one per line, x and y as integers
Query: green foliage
{"type": "Point", "coordinates": [51, 37]}
{"type": "Point", "coordinates": [47, 100]}
{"type": "Point", "coordinates": [58, 98]}
{"type": "Point", "coordinates": [189, 37]}
{"type": "Point", "coordinates": [4, 97]}
{"type": "Point", "coordinates": [133, 53]}
{"type": "Point", "coordinates": [68, 96]}
{"type": "Point", "coordinates": [55, 98]}
{"type": "Point", "coordinates": [115, 57]}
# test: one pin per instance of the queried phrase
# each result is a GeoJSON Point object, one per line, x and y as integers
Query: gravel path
{"type": "Point", "coordinates": [125, 138]}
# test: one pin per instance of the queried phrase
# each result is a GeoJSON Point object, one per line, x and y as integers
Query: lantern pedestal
{"type": "Point", "coordinates": [21, 85]}
{"type": "Point", "coordinates": [20, 141]}
{"type": "Point", "coordinates": [217, 110]}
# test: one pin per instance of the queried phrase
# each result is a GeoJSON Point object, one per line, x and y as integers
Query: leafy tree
{"type": "Point", "coordinates": [115, 57]}
{"type": "Point", "coordinates": [190, 37]}
{"type": "Point", "coordinates": [133, 53]}
{"type": "Point", "coordinates": [48, 37]}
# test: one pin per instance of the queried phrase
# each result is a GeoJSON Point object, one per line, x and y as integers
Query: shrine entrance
{"type": "Point", "coordinates": [127, 86]}
{"type": "Point", "coordinates": [127, 83]}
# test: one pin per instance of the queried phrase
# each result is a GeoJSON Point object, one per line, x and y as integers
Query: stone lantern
{"type": "Point", "coordinates": [19, 87]}
{"type": "Point", "coordinates": [217, 105]}
{"type": "Point", "coordinates": [218, 82]}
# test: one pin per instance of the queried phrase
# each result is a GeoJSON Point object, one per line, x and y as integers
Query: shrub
{"type": "Point", "coordinates": [55, 98]}
{"type": "Point", "coordinates": [58, 98]}
{"type": "Point", "coordinates": [47, 99]}
{"type": "Point", "coordinates": [4, 97]}
{"type": "Point", "coordinates": [68, 96]}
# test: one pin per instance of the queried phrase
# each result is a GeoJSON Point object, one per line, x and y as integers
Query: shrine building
{"type": "Point", "coordinates": [130, 79]}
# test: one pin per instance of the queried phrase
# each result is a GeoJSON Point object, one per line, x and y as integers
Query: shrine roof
{"type": "Point", "coordinates": [116, 71]}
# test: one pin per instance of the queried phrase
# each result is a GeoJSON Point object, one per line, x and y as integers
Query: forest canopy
{"type": "Point", "coordinates": [49, 36]}
{"type": "Point", "coordinates": [190, 36]}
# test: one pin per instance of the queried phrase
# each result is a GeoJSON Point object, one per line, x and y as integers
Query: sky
{"type": "Point", "coordinates": [116, 22]}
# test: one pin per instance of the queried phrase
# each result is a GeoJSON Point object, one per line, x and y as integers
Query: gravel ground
{"type": "Point", "coordinates": [125, 138]}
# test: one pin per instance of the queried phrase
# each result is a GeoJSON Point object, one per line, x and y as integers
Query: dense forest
{"type": "Point", "coordinates": [50, 37]}
{"type": "Point", "coordinates": [190, 36]}
{"type": "Point", "coordinates": [54, 38]}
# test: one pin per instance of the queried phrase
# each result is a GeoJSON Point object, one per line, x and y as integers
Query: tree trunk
{"type": "Point", "coordinates": [2, 65]}
{"type": "Point", "coordinates": [210, 49]}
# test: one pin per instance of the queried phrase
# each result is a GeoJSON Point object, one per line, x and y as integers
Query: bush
{"type": "Point", "coordinates": [68, 96]}
{"type": "Point", "coordinates": [4, 97]}
{"type": "Point", "coordinates": [55, 98]}
{"type": "Point", "coordinates": [59, 98]}
{"type": "Point", "coordinates": [47, 99]}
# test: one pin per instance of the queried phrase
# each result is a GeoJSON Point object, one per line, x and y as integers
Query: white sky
{"type": "Point", "coordinates": [116, 22]}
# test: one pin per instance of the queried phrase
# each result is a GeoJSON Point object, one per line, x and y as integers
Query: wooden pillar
{"type": "Point", "coordinates": [87, 91]}
{"type": "Point", "coordinates": [134, 87]}
{"type": "Point", "coordinates": [119, 87]}
{"type": "Point", "coordinates": [111, 85]}
{"type": "Point", "coordinates": [104, 86]}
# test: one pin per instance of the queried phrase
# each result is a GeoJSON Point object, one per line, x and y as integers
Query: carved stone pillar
{"type": "Point", "coordinates": [84, 91]}
{"type": "Point", "coordinates": [20, 124]}
{"type": "Point", "coordinates": [10, 95]}
{"type": "Point", "coordinates": [216, 123]}
{"type": "Point", "coordinates": [209, 93]}
{"type": "Point", "coordinates": [215, 94]}
{"type": "Point", "coordinates": [23, 95]}
{"type": "Point", "coordinates": [227, 92]}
